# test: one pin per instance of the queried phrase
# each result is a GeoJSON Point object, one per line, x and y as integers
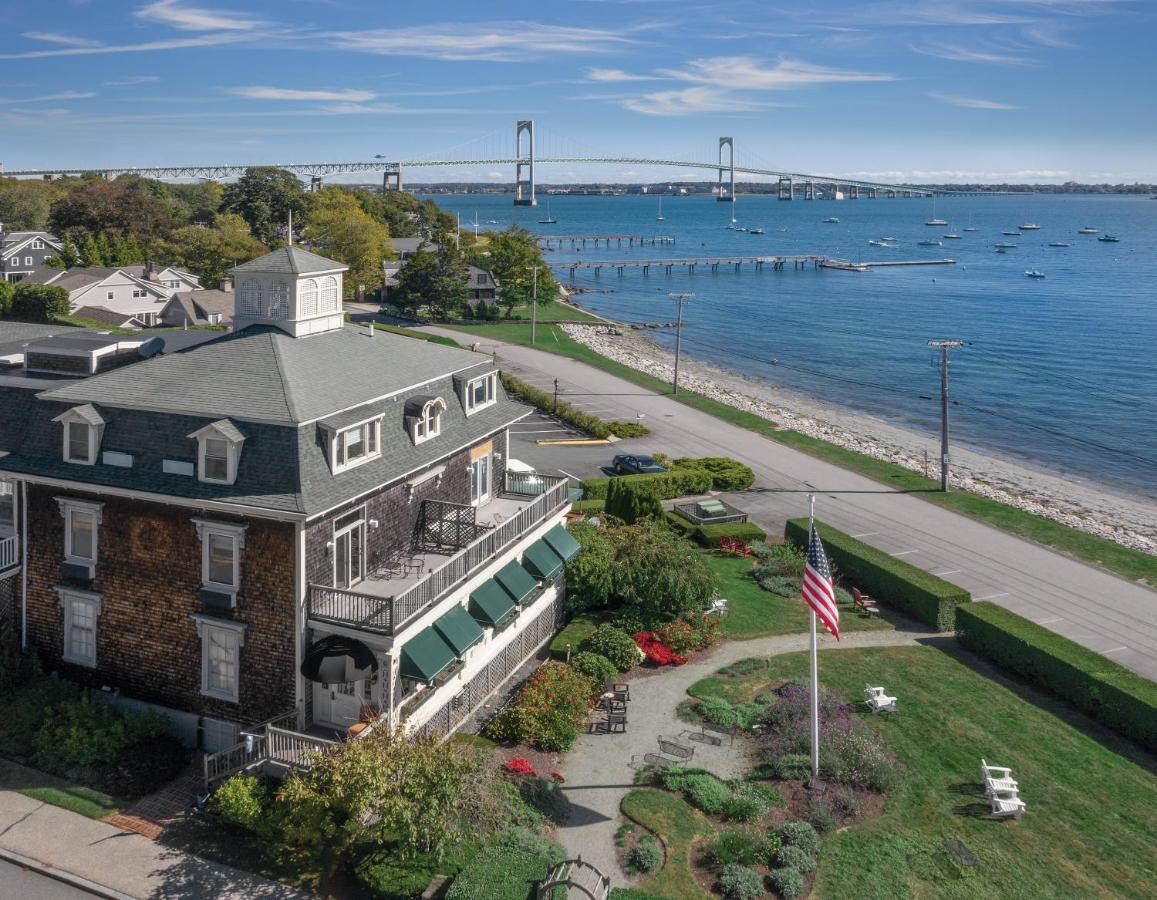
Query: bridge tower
{"type": "Point", "coordinates": [786, 188]}
{"type": "Point", "coordinates": [392, 180]}
{"type": "Point", "coordinates": [524, 185]}
{"type": "Point", "coordinates": [315, 183]}
{"type": "Point", "coordinates": [728, 193]}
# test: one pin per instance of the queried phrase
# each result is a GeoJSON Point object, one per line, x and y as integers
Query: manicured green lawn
{"type": "Point", "coordinates": [1132, 564]}
{"type": "Point", "coordinates": [576, 630]}
{"type": "Point", "coordinates": [1092, 813]}
{"type": "Point", "coordinates": [56, 791]}
{"type": "Point", "coordinates": [679, 825]}
{"type": "Point", "coordinates": [753, 612]}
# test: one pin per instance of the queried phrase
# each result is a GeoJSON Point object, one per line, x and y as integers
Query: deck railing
{"type": "Point", "coordinates": [9, 552]}
{"type": "Point", "coordinates": [388, 615]}
{"type": "Point", "coordinates": [267, 742]}
{"type": "Point", "coordinates": [238, 758]}
{"type": "Point", "coordinates": [291, 748]}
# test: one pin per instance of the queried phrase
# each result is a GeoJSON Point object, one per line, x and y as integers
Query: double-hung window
{"type": "Point", "coordinates": [218, 452]}
{"type": "Point", "coordinates": [81, 526]}
{"type": "Point", "coordinates": [480, 393]}
{"type": "Point", "coordinates": [356, 445]}
{"type": "Point", "coordinates": [215, 460]}
{"type": "Point", "coordinates": [81, 610]}
{"type": "Point", "coordinates": [82, 429]}
{"type": "Point", "coordinates": [221, 544]}
{"type": "Point", "coordinates": [78, 448]}
{"type": "Point", "coordinates": [221, 642]}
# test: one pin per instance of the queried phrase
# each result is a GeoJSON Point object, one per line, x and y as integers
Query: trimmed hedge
{"type": "Point", "coordinates": [892, 581]}
{"type": "Point", "coordinates": [572, 415]}
{"type": "Point", "coordinates": [709, 535]}
{"type": "Point", "coordinates": [596, 488]}
{"type": "Point", "coordinates": [588, 506]}
{"type": "Point", "coordinates": [1121, 699]}
{"type": "Point", "coordinates": [632, 496]}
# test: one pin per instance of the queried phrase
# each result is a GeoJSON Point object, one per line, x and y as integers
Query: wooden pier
{"type": "Point", "coordinates": [596, 240]}
{"type": "Point", "coordinates": [714, 263]}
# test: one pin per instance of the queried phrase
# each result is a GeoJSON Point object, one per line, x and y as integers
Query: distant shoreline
{"type": "Point", "coordinates": [1090, 507]}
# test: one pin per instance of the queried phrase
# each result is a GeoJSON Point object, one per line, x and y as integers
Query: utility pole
{"type": "Point", "coordinates": [678, 297]}
{"type": "Point", "coordinates": [945, 345]}
{"type": "Point", "coordinates": [533, 302]}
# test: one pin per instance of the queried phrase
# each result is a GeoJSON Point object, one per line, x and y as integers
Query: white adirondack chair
{"type": "Point", "coordinates": [870, 691]}
{"type": "Point", "coordinates": [1007, 804]}
{"type": "Point", "coordinates": [881, 703]}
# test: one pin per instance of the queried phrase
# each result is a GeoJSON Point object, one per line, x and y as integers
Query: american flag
{"type": "Point", "coordinates": [818, 590]}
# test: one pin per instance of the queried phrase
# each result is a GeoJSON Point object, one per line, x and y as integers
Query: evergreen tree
{"type": "Point", "coordinates": [105, 250]}
{"type": "Point", "coordinates": [69, 255]}
{"type": "Point", "coordinates": [90, 251]}
{"type": "Point", "coordinates": [126, 251]}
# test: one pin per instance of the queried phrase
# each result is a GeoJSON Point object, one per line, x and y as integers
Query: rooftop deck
{"type": "Point", "coordinates": [385, 602]}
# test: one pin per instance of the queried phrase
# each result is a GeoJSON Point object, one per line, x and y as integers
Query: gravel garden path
{"type": "Point", "coordinates": [600, 769]}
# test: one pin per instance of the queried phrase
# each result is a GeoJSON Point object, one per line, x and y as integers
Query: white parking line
{"type": "Point", "coordinates": [865, 534]}
{"type": "Point", "coordinates": [1115, 649]}
{"type": "Point", "coordinates": [1051, 621]}
{"type": "Point", "coordinates": [569, 475]}
{"type": "Point", "coordinates": [905, 552]}
{"type": "Point", "coordinates": [990, 597]}
{"type": "Point", "coordinates": [949, 572]}
{"type": "Point", "coordinates": [547, 431]}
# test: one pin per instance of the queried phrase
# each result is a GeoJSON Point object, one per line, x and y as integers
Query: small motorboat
{"type": "Point", "coordinates": [1001, 250]}
{"type": "Point", "coordinates": [952, 236]}
{"type": "Point", "coordinates": [831, 220]}
{"type": "Point", "coordinates": [891, 240]}
{"type": "Point", "coordinates": [929, 244]}
{"type": "Point", "coordinates": [882, 242]}
{"type": "Point", "coordinates": [1059, 244]}
{"type": "Point", "coordinates": [1029, 226]}
{"type": "Point", "coordinates": [970, 228]}
{"type": "Point", "coordinates": [1011, 233]}
{"type": "Point", "coordinates": [1109, 239]}
{"type": "Point", "coordinates": [1034, 273]}
{"type": "Point", "coordinates": [1087, 230]}
{"type": "Point", "coordinates": [1004, 245]}
{"type": "Point", "coordinates": [491, 221]}
{"type": "Point", "coordinates": [756, 231]}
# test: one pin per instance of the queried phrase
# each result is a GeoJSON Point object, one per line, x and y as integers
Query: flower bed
{"type": "Point", "coordinates": [549, 710]}
{"type": "Point", "coordinates": [656, 652]}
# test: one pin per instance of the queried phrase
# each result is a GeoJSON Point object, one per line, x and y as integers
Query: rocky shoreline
{"type": "Point", "coordinates": [1090, 508]}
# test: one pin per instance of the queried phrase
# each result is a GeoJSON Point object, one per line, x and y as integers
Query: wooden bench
{"type": "Point", "coordinates": [734, 545]}
{"type": "Point", "coordinates": [864, 603]}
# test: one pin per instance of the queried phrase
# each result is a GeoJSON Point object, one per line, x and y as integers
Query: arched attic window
{"type": "Point", "coordinates": [307, 301]}
{"type": "Point", "coordinates": [329, 294]}
{"type": "Point", "coordinates": [424, 417]}
{"type": "Point", "coordinates": [250, 292]}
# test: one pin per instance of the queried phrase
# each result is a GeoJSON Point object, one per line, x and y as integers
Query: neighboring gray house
{"type": "Point", "coordinates": [140, 290]}
{"type": "Point", "coordinates": [213, 306]}
{"type": "Point", "coordinates": [483, 287]}
{"type": "Point", "coordinates": [22, 252]}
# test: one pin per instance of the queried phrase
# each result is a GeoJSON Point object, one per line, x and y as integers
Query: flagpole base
{"type": "Point", "coordinates": [817, 785]}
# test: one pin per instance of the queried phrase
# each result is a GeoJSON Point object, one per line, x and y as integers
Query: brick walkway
{"type": "Point", "coordinates": [149, 815]}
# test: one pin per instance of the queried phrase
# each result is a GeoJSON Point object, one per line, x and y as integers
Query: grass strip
{"type": "Point", "coordinates": [1135, 565]}
{"type": "Point", "coordinates": [679, 825]}
{"type": "Point", "coordinates": [91, 804]}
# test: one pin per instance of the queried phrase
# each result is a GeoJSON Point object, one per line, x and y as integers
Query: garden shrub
{"type": "Point", "coordinates": [22, 714]}
{"type": "Point", "coordinates": [780, 559]}
{"type": "Point", "coordinates": [718, 711]}
{"type": "Point", "coordinates": [87, 732]}
{"type": "Point", "coordinates": [596, 488]}
{"type": "Point", "coordinates": [788, 883]}
{"type": "Point", "coordinates": [738, 882]}
{"type": "Point", "coordinates": [646, 856]}
{"type": "Point", "coordinates": [659, 576]}
{"type": "Point", "coordinates": [561, 409]}
{"type": "Point", "coordinates": [242, 800]}
{"type": "Point", "coordinates": [17, 668]}
{"type": "Point", "coordinates": [613, 644]}
{"type": "Point", "coordinates": [594, 665]}
{"type": "Point", "coordinates": [628, 429]}
{"type": "Point", "coordinates": [791, 767]}
{"type": "Point", "coordinates": [509, 869]}
{"type": "Point", "coordinates": [710, 535]}
{"type": "Point", "coordinates": [780, 585]}
{"type": "Point", "coordinates": [741, 808]}
{"type": "Point", "coordinates": [634, 500]}
{"type": "Point", "coordinates": [656, 652]}
{"type": "Point", "coordinates": [1105, 690]}
{"type": "Point", "coordinates": [38, 302]}
{"type": "Point", "coordinates": [726, 474]}
{"type": "Point", "coordinates": [846, 801]}
{"type": "Point", "coordinates": [680, 636]}
{"type": "Point", "coordinates": [590, 573]}
{"type": "Point", "coordinates": [749, 799]}
{"type": "Point", "coordinates": [735, 846]}
{"type": "Point", "coordinates": [822, 817]}
{"type": "Point", "coordinates": [145, 766]}
{"type": "Point", "coordinates": [855, 755]}
{"type": "Point", "coordinates": [802, 835]}
{"type": "Point", "coordinates": [677, 523]}
{"type": "Point", "coordinates": [792, 857]}
{"type": "Point", "coordinates": [513, 725]}
{"type": "Point", "coordinates": [549, 710]}
{"type": "Point", "coordinates": [768, 850]}
{"type": "Point", "coordinates": [889, 580]}
{"type": "Point", "coordinates": [708, 793]}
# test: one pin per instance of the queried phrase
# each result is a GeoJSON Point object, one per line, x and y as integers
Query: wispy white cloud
{"type": "Point", "coordinates": [205, 40]}
{"type": "Point", "coordinates": [66, 40]}
{"type": "Point", "coordinates": [484, 42]}
{"type": "Point", "coordinates": [132, 79]}
{"type": "Point", "coordinates": [1048, 34]}
{"type": "Point", "coordinates": [690, 101]}
{"type": "Point", "coordinates": [257, 92]}
{"type": "Point", "coordinates": [612, 75]}
{"type": "Point", "coordinates": [969, 102]}
{"type": "Point", "coordinates": [750, 74]}
{"type": "Point", "coordinates": [957, 53]}
{"type": "Point", "coordinates": [44, 98]}
{"type": "Point", "coordinates": [190, 18]}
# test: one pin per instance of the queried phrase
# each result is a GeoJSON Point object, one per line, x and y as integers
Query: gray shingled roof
{"type": "Point", "coordinates": [263, 374]}
{"type": "Point", "coordinates": [291, 261]}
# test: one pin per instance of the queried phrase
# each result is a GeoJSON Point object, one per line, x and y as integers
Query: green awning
{"type": "Point", "coordinates": [490, 604]}
{"type": "Point", "coordinates": [425, 656]}
{"type": "Point", "coordinates": [540, 561]}
{"type": "Point", "coordinates": [459, 630]}
{"type": "Point", "coordinates": [517, 582]}
{"type": "Point", "coordinates": [562, 542]}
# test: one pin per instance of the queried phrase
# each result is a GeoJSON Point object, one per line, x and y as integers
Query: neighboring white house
{"type": "Point", "coordinates": [139, 291]}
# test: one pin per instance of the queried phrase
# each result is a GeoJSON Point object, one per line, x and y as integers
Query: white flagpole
{"type": "Point", "coordinates": [815, 665]}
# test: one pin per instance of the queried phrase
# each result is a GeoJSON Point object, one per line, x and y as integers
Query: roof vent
{"type": "Point", "coordinates": [151, 347]}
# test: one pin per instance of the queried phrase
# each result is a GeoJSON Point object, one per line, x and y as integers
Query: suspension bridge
{"type": "Point", "coordinates": [524, 159]}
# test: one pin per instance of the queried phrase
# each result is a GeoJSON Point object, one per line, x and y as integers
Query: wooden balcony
{"type": "Point", "coordinates": [385, 605]}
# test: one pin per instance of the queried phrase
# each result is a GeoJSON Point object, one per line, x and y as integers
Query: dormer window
{"type": "Point", "coordinates": [480, 393]}
{"type": "Point", "coordinates": [424, 417]}
{"type": "Point", "coordinates": [357, 444]}
{"type": "Point", "coordinates": [83, 427]}
{"type": "Point", "coordinates": [218, 452]}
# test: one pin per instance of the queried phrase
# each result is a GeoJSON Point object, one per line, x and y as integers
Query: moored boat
{"type": "Point", "coordinates": [1029, 226]}
{"type": "Point", "coordinates": [1034, 273]}
{"type": "Point", "coordinates": [1087, 230]}
{"type": "Point", "coordinates": [1003, 245]}
{"type": "Point", "coordinates": [1059, 244]}
{"type": "Point", "coordinates": [1109, 239]}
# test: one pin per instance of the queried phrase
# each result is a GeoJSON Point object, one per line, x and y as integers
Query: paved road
{"type": "Point", "coordinates": [27, 884]}
{"type": "Point", "coordinates": [1105, 613]}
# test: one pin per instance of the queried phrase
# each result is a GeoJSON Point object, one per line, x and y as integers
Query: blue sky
{"type": "Point", "coordinates": [938, 90]}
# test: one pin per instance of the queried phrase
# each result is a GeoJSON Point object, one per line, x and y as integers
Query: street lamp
{"type": "Point", "coordinates": [533, 301]}
{"type": "Point", "coordinates": [678, 297]}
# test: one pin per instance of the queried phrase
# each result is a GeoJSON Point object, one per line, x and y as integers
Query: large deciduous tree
{"type": "Point", "coordinates": [434, 278]}
{"type": "Point", "coordinates": [512, 258]}
{"type": "Point", "coordinates": [341, 229]}
{"type": "Point", "coordinates": [38, 302]}
{"type": "Point", "coordinates": [263, 197]}
{"type": "Point", "coordinates": [209, 253]}
{"type": "Point", "coordinates": [24, 204]}
{"type": "Point", "coordinates": [112, 207]}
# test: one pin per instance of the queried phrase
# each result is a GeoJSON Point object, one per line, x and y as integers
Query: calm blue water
{"type": "Point", "coordinates": [1059, 372]}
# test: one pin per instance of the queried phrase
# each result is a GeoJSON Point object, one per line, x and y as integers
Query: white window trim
{"type": "Point", "coordinates": [434, 420]}
{"type": "Point", "coordinates": [66, 597]}
{"type": "Point", "coordinates": [235, 533]}
{"type": "Point", "coordinates": [95, 432]}
{"type": "Point", "coordinates": [68, 506]}
{"type": "Point", "coordinates": [236, 632]}
{"type": "Point", "coordinates": [491, 391]}
{"type": "Point", "coordinates": [233, 457]}
{"type": "Point", "coordinates": [338, 436]}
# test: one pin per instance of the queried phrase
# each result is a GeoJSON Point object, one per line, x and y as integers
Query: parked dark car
{"type": "Point", "coordinates": [624, 464]}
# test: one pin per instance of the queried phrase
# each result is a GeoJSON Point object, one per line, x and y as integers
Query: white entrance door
{"type": "Point", "coordinates": [349, 556]}
{"type": "Point", "coordinates": [339, 705]}
{"type": "Point", "coordinates": [480, 480]}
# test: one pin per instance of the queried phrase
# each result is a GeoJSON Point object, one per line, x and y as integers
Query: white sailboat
{"type": "Point", "coordinates": [549, 220]}
{"type": "Point", "coordinates": [659, 218]}
{"type": "Point", "coordinates": [939, 223]}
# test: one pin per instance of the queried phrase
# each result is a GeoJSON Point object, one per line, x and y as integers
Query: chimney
{"type": "Point", "coordinates": [148, 276]}
{"type": "Point", "coordinates": [226, 285]}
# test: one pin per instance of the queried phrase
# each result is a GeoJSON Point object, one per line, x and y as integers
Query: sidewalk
{"type": "Point", "coordinates": [127, 864]}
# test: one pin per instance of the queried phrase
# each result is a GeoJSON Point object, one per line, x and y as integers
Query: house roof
{"type": "Point", "coordinates": [291, 261]}
{"type": "Point", "coordinates": [263, 374]}
{"type": "Point", "coordinates": [407, 245]}
{"type": "Point", "coordinates": [199, 305]}
{"type": "Point", "coordinates": [108, 317]}
{"type": "Point", "coordinates": [13, 241]}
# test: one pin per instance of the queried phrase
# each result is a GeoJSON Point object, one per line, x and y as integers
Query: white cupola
{"type": "Point", "coordinates": [292, 289]}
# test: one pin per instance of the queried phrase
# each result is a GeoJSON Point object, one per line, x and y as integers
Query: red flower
{"type": "Point", "coordinates": [519, 765]}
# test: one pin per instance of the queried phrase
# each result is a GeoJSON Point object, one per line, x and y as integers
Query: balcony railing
{"type": "Point", "coordinates": [9, 552]}
{"type": "Point", "coordinates": [389, 615]}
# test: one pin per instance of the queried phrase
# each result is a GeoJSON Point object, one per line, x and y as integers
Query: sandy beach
{"type": "Point", "coordinates": [1089, 507]}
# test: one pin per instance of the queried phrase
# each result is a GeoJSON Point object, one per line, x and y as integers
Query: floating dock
{"type": "Point", "coordinates": [715, 263]}
{"type": "Point", "coordinates": [581, 240]}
